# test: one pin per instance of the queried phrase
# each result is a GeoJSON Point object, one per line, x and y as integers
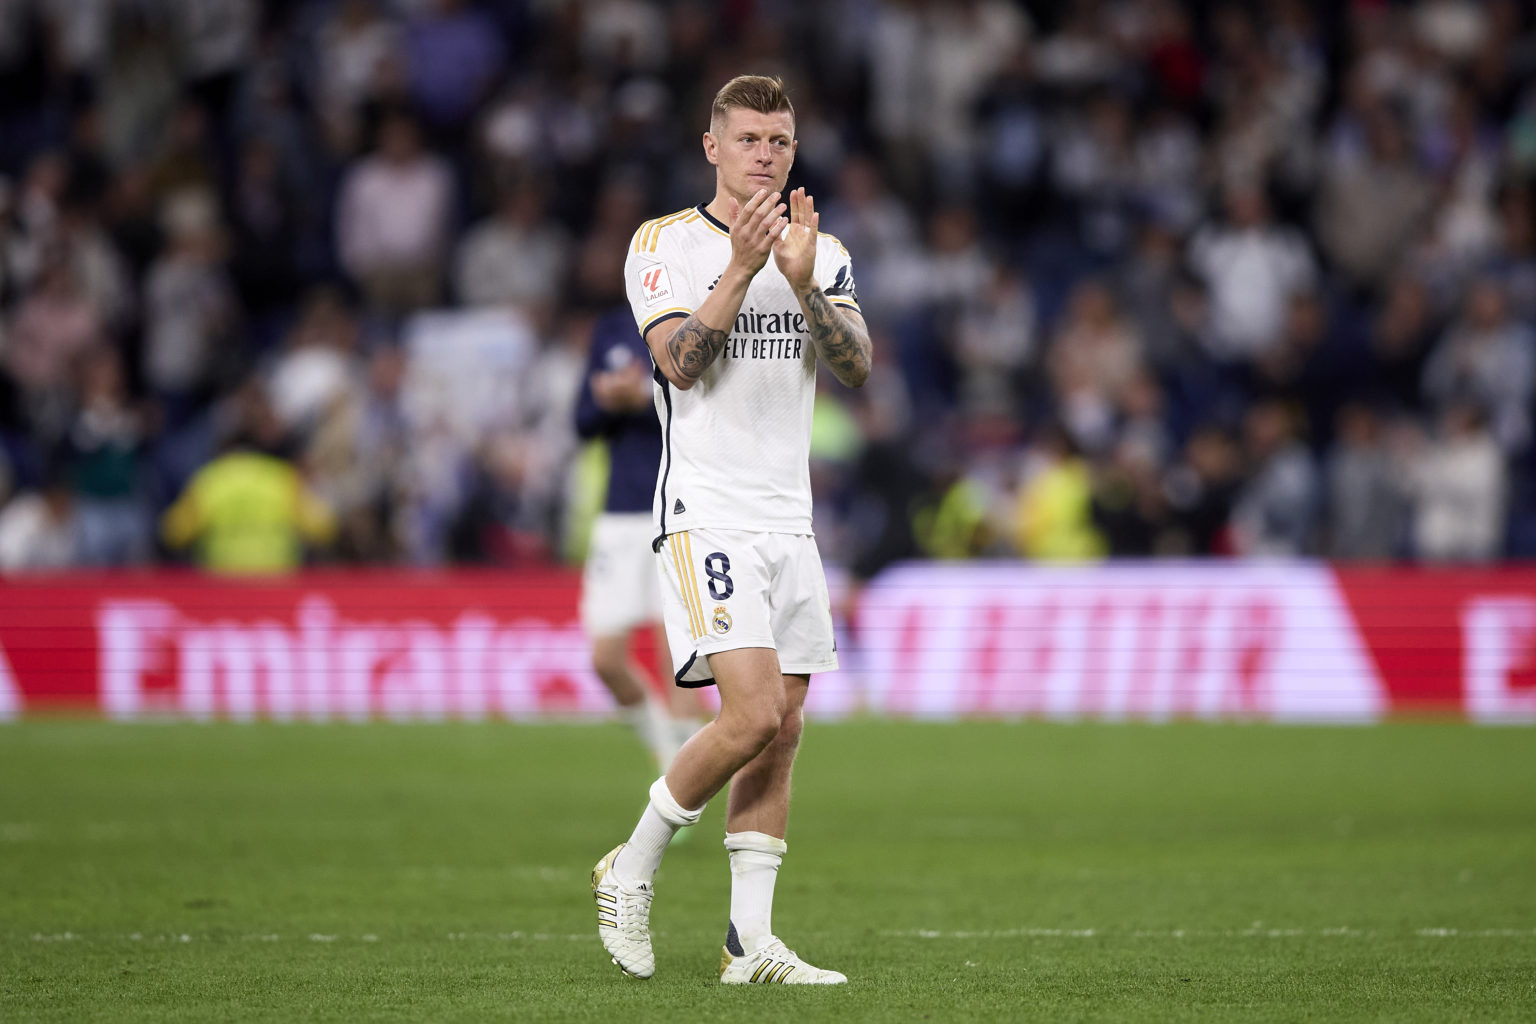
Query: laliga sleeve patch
{"type": "Point", "coordinates": [655, 284]}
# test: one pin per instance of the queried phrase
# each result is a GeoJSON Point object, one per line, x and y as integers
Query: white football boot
{"type": "Point", "coordinates": [623, 919]}
{"type": "Point", "coordinates": [773, 963]}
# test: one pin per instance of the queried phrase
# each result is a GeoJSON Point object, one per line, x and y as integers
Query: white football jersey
{"type": "Point", "coordinates": [737, 444]}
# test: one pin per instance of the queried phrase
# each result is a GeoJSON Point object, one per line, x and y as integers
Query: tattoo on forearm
{"type": "Point", "coordinates": [842, 343]}
{"type": "Point", "coordinates": [694, 346]}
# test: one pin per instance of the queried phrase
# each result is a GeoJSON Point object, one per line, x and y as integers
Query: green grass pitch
{"type": "Point", "coordinates": [982, 871]}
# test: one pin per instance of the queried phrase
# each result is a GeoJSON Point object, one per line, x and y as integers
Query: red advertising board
{"type": "Point", "coordinates": [351, 645]}
{"type": "Point", "coordinates": [1463, 638]}
{"type": "Point", "coordinates": [1284, 642]}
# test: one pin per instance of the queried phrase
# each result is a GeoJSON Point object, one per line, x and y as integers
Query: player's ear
{"type": "Point", "coordinates": [711, 148]}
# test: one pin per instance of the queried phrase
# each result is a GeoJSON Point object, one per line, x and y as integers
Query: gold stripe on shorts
{"type": "Point", "coordinates": [682, 581]}
{"type": "Point", "coordinates": [693, 584]}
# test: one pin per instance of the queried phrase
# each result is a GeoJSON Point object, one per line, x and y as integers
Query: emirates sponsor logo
{"type": "Point", "coordinates": [158, 659]}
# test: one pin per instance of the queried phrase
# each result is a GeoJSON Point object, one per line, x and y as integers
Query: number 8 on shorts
{"type": "Point", "coordinates": [727, 589]}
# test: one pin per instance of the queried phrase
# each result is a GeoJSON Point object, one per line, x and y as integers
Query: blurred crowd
{"type": "Point", "coordinates": [312, 280]}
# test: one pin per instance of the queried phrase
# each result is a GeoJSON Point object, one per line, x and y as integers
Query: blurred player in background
{"type": "Point", "coordinates": [620, 591]}
{"type": "Point", "coordinates": [735, 338]}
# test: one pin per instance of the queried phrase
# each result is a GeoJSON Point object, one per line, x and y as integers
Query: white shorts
{"type": "Point", "coordinates": [619, 588]}
{"type": "Point", "coordinates": [727, 589]}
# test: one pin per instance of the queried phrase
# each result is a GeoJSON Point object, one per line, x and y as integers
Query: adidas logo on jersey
{"type": "Point", "coordinates": [677, 507]}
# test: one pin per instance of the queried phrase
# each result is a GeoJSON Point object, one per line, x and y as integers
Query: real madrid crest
{"type": "Point", "coordinates": [721, 619]}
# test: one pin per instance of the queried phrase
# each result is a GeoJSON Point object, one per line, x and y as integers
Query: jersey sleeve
{"type": "Point", "coordinates": [834, 272]}
{"type": "Point", "coordinates": [656, 278]}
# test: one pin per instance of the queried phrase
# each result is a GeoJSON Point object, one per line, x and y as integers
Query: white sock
{"type": "Point", "coordinates": [652, 724]}
{"type": "Point", "coordinates": [636, 864]}
{"type": "Point", "coordinates": [634, 716]}
{"type": "Point", "coordinates": [755, 859]}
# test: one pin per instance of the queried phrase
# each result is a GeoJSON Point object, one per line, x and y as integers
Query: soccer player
{"type": "Point", "coordinates": [619, 587]}
{"type": "Point", "coordinates": [737, 299]}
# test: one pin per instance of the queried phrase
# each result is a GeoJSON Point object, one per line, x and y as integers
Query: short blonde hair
{"type": "Point", "coordinates": [750, 92]}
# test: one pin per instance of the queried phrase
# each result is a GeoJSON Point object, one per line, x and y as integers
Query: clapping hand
{"type": "Point", "coordinates": [754, 228]}
{"type": "Point", "coordinates": [795, 249]}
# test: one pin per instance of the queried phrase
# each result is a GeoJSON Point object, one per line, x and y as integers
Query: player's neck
{"type": "Point", "coordinates": [720, 206]}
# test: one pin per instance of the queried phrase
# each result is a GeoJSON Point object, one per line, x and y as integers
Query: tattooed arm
{"type": "Point", "coordinates": [684, 353]}
{"type": "Point", "coordinates": [692, 348]}
{"type": "Point", "coordinates": [841, 337]}
{"type": "Point", "coordinates": [684, 350]}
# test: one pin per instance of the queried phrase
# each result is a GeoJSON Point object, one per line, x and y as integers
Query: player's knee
{"type": "Point", "coordinates": [755, 727]}
{"type": "Point", "coordinates": [763, 729]}
{"type": "Point", "coordinates": [790, 728]}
